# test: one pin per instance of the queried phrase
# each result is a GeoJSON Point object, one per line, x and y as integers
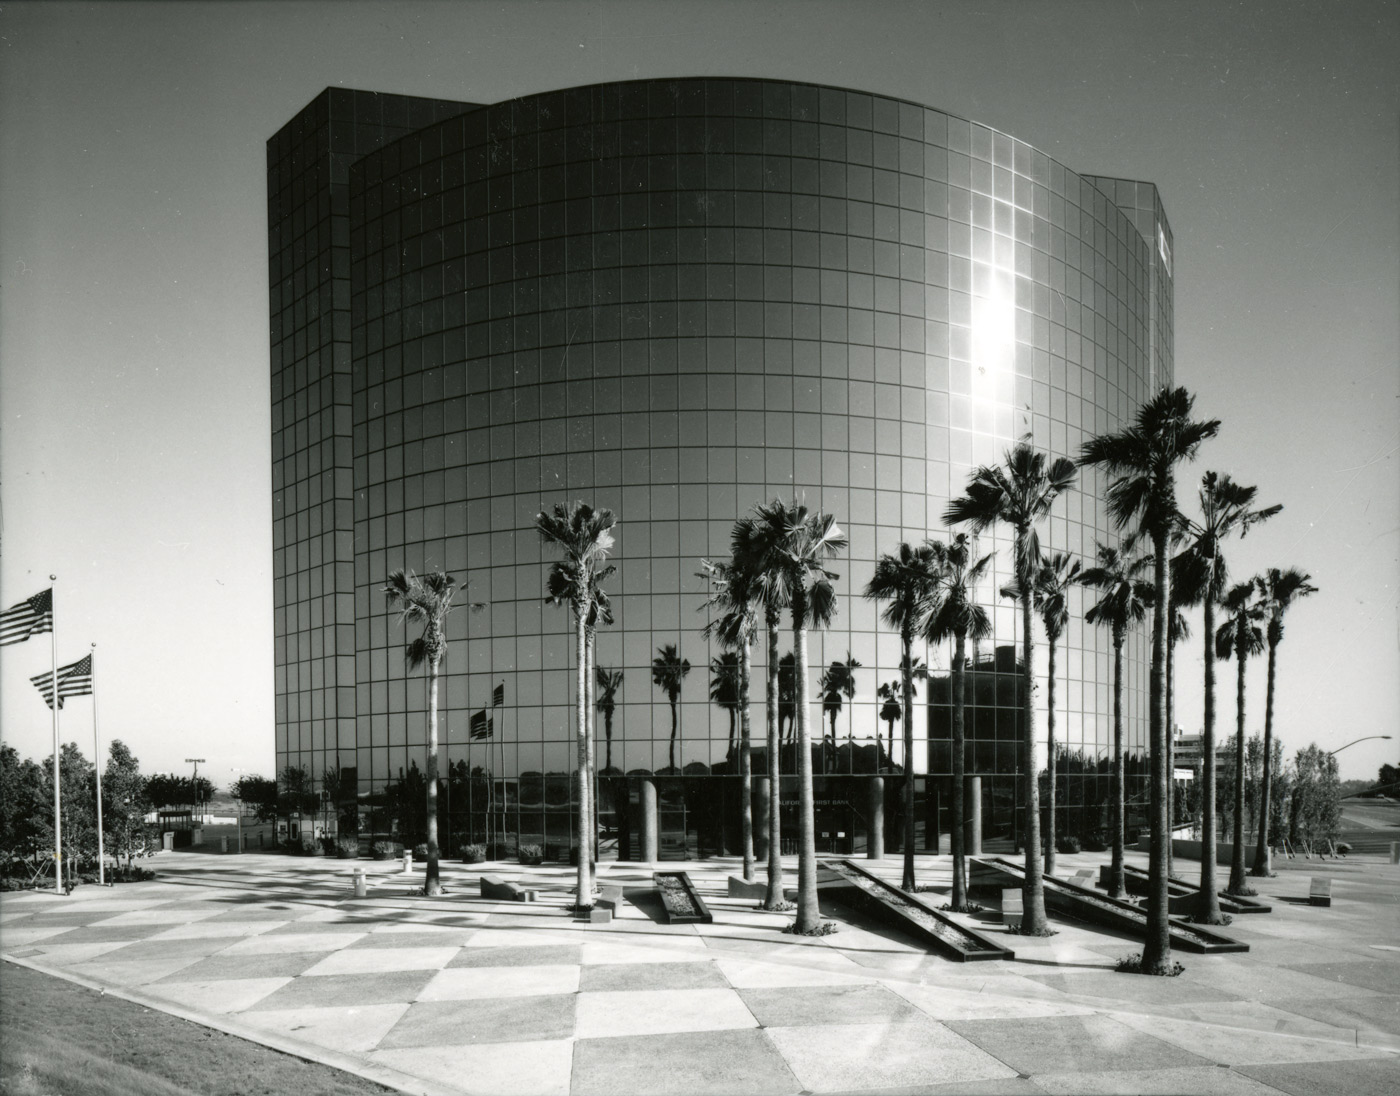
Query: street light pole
{"type": "Point", "coordinates": [194, 786]}
{"type": "Point", "coordinates": [1368, 738]}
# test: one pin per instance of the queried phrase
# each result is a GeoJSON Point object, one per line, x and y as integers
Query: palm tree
{"type": "Point", "coordinates": [584, 536]}
{"type": "Point", "coordinates": [734, 593]}
{"type": "Point", "coordinates": [838, 685]}
{"type": "Point", "coordinates": [724, 689]}
{"type": "Point", "coordinates": [1239, 634]}
{"type": "Point", "coordinates": [1144, 457]}
{"type": "Point", "coordinates": [1178, 629]}
{"type": "Point", "coordinates": [427, 600]}
{"type": "Point", "coordinates": [668, 671]}
{"type": "Point", "coordinates": [1123, 605]}
{"type": "Point", "coordinates": [908, 580]}
{"type": "Point", "coordinates": [1202, 573]}
{"type": "Point", "coordinates": [1052, 585]}
{"type": "Point", "coordinates": [1019, 494]}
{"type": "Point", "coordinates": [787, 696]}
{"type": "Point", "coordinates": [890, 711]}
{"type": "Point", "coordinates": [790, 545]}
{"type": "Point", "coordinates": [1279, 589]}
{"type": "Point", "coordinates": [960, 618]}
{"type": "Point", "coordinates": [609, 682]}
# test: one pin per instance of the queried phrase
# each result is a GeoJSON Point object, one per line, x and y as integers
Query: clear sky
{"type": "Point", "coordinates": [134, 460]}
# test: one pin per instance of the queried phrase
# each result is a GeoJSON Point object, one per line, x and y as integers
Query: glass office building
{"type": "Point", "coordinates": [676, 299]}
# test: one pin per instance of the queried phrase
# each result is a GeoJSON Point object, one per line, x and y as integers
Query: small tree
{"type": "Point", "coordinates": [258, 794]}
{"type": "Point", "coordinates": [125, 805]}
{"type": "Point", "coordinates": [1317, 802]}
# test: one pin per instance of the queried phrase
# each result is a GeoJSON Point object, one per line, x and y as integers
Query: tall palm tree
{"type": "Point", "coordinates": [609, 682]}
{"type": "Point", "coordinates": [959, 617]}
{"type": "Point", "coordinates": [795, 542]}
{"type": "Point", "coordinates": [1201, 570]}
{"type": "Point", "coordinates": [1279, 590]}
{"type": "Point", "coordinates": [787, 696]}
{"type": "Point", "coordinates": [584, 536]}
{"type": "Point", "coordinates": [1178, 629]}
{"type": "Point", "coordinates": [734, 594]}
{"type": "Point", "coordinates": [750, 549]}
{"type": "Point", "coordinates": [1143, 458]}
{"type": "Point", "coordinates": [668, 671]}
{"type": "Point", "coordinates": [1124, 603]}
{"type": "Point", "coordinates": [1057, 575]}
{"type": "Point", "coordinates": [1239, 634]}
{"type": "Point", "coordinates": [908, 580]}
{"type": "Point", "coordinates": [1020, 493]}
{"type": "Point", "coordinates": [427, 600]}
{"type": "Point", "coordinates": [724, 690]}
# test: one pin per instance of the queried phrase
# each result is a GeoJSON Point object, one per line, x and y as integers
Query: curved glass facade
{"type": "Point", "coordinates": [675, 299]}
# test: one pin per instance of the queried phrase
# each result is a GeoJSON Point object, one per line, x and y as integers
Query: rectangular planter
{"type": "Point", "coordinates": [680, 900]}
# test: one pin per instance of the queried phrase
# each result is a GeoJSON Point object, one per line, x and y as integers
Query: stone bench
{"type": "Point", "coordinates": [1084, 877]}
{"type": "Point", "coordinates": [493, 886]}
{"type": "Point", "coordinates": [605, 906]}
{"type": "Point", "coordinates": [1320, 892]}
{"type": "Point", "coordinates": [1012, 911]}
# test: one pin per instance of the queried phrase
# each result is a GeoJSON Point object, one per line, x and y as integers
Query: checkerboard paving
{"type": "Point", "coordinates": [475, 996]}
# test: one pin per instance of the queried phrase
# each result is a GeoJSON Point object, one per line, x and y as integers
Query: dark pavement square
{"type": "Point", "coordinates": [1072, 1044]}
{"type": "Point", "coordinates": [323, 991]}
{"type": "Point", "coordinates": [634, 976]}
{"type": "Point", "coordinates": [490, 1020]}
{"type": "Point", "coordinates": [800, 1005]}
{"type": "Point", "coordinates": [724, 1063]}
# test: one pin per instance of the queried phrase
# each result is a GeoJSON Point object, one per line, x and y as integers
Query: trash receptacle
{"type": "Point", "coordinates": [407, 861]}
{"type": "Point", "coordinates": [167, 840]}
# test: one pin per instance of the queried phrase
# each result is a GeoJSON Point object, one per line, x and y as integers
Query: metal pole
{"type": "Point", "coordinates": [97, 763]}
{"type": "Point", "coordinates": [57, 770]}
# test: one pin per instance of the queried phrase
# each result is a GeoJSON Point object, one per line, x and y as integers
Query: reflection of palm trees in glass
{"type": "Point", "coordinates": [838, 685]}
{"type": "Point", "coordinates": [668, 670]}
{"type": "Point", "coordinates": [787, 695]}
{"type": "Point", "coordinates": [609, 681]}
{"type": "Point", "coordinates": [890, 711]}
{"type": "Point", "coordinates": [724, 689]}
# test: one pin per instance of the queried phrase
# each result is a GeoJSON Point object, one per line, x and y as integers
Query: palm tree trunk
{"type": "Point", "coordinates": [588, 839]}
{"type": "Point", "coordinates": [774, 898]}
{"type": "Point", "coordinates": [607, 730]}
{"type": "Point", "coordinates": [958, 834]}
{"type": "Point", "coordinates": [675, 723]}
{"type": "Point", "coordinates": [808, 914]}
{"type": "Point", "coordinates": [1171, 749]}
{"type": "Point", "coordinates": [1262, 854]}
{"type": "Point", "coordinates": [1156, 952]}
{"type": "Point", "coordinates": [745, 759]}
{"type": "Point", "coordinates": [432, 883]}
{"type": "Point", "coordinates": [906, 674]}
{"type": "Point", "coordinates": [1237, 882]}
{"type": "Point", "coordinates": [585, 790]}
{"type": "Point", "coordinates": [1033, 922]}
{"type": "Point", "coordinates": [1117, 883]}
{"type": "Point", "coordinates": [1208, 908]}
{"type": "Point", "coordinates": [1050, 759]}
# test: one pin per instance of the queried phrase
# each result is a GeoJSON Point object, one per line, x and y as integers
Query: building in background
{"type": "Point", "coordinates": [676, 299]}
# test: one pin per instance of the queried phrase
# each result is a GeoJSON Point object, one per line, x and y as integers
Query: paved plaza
{"type": "Point", "coordinates": [465, 995]}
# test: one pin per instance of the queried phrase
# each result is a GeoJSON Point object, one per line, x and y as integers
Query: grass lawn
{"type": "Point", "coordinates": [60, 1039]}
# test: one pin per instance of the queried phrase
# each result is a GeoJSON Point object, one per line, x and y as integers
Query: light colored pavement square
{"type": "Point", "coordinates": [490, 1020]}
{"type": "Point", "coordinates": [348, 1028]}
{"type": "Point", "coordinates": [160, 915]}
{"type": "Point", "coordinates": [266, 944]}
{"type": "Point", "coordinates": [953, 1003]}
{"type": "Point", "coordinates": [221, 996]}
{"type": "Point", "coordinates": [11, 939]}
{"type": "Point", "coordinates": [467, 983]}
{"type": "Point", "coordinates": [1238, 1047]}
{"type": "Point", "coordinates": [216, 929]}
{"type": "Point", "coordinates": [1062, 1044]}
{"type": "Point", "coordinates": [651, 1012]}
{"type": "Point", "coordinates": [704, 1063]}
{"type": "Point", "coordinates": [602, 951]}
{"type": "Point", "coordinates": [540, 1068]}
{"type": "Point", "coordinates": [1199, 1081]}
{"type": "Point", "coordinates": [67, 955]}
{"type": "Point", "coordinates": [832, 1057]}
{"type": "Point", "coordinates": [135, 973]}
{"type": "Point", "coordinates": [374, 960]}
{"type": "Point", "coordinates": [754, 974]}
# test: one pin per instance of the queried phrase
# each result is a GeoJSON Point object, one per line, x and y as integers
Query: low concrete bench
{"type": "Point", "coordinates": [738, 888]}
{"type": "Point", "coordinates": [493, 886]}
{"type": "Point", "coordinates": [1320, 892]}
{"type": "Point", "coordinates": [1084, 877]}
{"type": "Point", "coordinates": [606, 905]}
{"type": "Point", "coordinates": [1012, 911]}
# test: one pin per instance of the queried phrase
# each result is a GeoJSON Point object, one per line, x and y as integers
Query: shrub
{"type": "Point", "coordinates": [1067, 845]}
{"type": "Point", "coordinates": [382, 850]}
{"type": "Point", "coordinates": [531, 854]}
{"type": "Point", "coordinates": [1343, 848]}
{"type": "Point", "coordinates": [347, 847]}
{"type": "Point", "coordinates": [328, 846]}
{"type": "Point", "coordinates": [473, 854]}
{"type": "Point", "coordinates": [420, 851]}
{"type": "Point", "coordinates": [307, 845]}
{"type": "Point", "coordinates": [573, 857]}
{"type": "Point", "coordinates": [1094, 842]}
{"type": "Point", "coordinates": [1132, 964]}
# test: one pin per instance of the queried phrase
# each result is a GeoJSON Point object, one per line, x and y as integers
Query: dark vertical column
{"type": "Point", "coordinates": [649, 827]}
{"type": "Point", "coordinates": [931, 834]}
{"type": "Point", "coordinates": [875, 813]}
{"type": "Point", "coordinates": [973, 822]}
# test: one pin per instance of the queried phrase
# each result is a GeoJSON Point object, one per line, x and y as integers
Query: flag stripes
{"type": "Point", "coordinates": [482, 726]}
{"type": "Point", "coordinates": [75, 679]}
{"type": "Point", "coordinates": [30, 617]}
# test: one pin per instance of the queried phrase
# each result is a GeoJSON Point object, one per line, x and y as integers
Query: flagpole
{"type": "Point", "coordinates": [97, 763]}
{"type": "Point", "coordinates": [57, 771]}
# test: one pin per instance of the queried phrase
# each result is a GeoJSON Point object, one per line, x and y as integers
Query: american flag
{"type": "Point", "coordinates": [75, 679]}
{"type": "Point", "coordinates": [498, 695]}
{"type": "Point", "coordinates": [30, 617]}
{"type": "Point", "coordinates": [482, 726]}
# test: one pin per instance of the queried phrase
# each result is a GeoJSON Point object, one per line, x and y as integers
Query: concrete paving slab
{"type": "Point", "coordinates": [390, 987]}
{"type": "Point", "coordinates": [951, 1003]}
{"type": "Point", "coordinates": [718, 1063]}
{"type": "Point", "coordinates": [78, 934]}
{"type": "Point", "coordinates": [219, 996]}
{"type": "Point", "coordinates": [543, 955]}
{"type": "Point", "coordinates": [495, 1020]}
{"type": "Point", "coordinates": [394, 936]}
{"type": "Point", "coordinates": [266, 944]}
{"type": "Point", "coordinates": [540, 1068]}
{"type": "Point", "coordinates": [216, 929]}
{"type": "Point", "coordinates": [652, 1012]}
{"type": "Point", "coordinates": [1065, 1044]}
{"type": "Point", "coordinates": [826, 1057]}
{"type": "Point", "coordinates": [160, 915]}
{"type": "Point", "coordinates": [1242, 1046]}
{"type": "Point", "coordinates": [1342, 979]}
{"type": "Point", "coordinates": [1110, 988]}
{"type": "Point", "coordinates": [1368, 1077]}
{"type": "Point", "coordinates": [375, 960]}
{"type": "Point", "coordinates": [801, 1005]}
{"type": "Point", "coordinates": [468, 983]}
{"type": "Point", "coordinates": [1256, 981]}
{"type": "Point", "coordinates": [135, 973]}
{"type": "Point", "coordinates": [312, 926]}
{"type": "Point", "coordinates": [1367, 1014]}
{"type": "Point", "coordinates": [753, 974]}
{"type": "Point", "coordinates": [67, 955]}
{"type": "Point", "coordinates": [1199, 1081]}
{"type": "Point", "coordinates": [601, 951]}
{"type": "Point", "coordinates": [347, 1028]}
{"type": "Point", "coordinates": [223, 967]}
{"type": "Point", "coordinates": [1005, 1086]}
{"type": "Point", "coordinates": [638, 976]}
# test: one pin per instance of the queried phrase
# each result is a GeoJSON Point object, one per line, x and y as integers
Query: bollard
{"type": "Point", "coordinates": [361, 887]}
{"type": "Point", "coordinates": [407, 860]}
{"type": "Point", "coordinates": [1395, 852]}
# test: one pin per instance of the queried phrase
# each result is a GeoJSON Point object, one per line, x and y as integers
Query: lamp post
{"type": "Point", "coordinates": [1368, 738]}
{"type": "Point", "coordinates": [194, 785]}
